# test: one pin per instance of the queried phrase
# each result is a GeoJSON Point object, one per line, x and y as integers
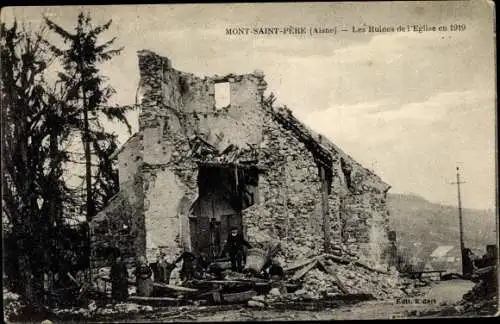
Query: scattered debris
{"type": "Point", "coordinates": [299, 274]}
{"type": "Point", "coordinates": [339, 274]}
{"type": "Point", "coordinates": [174, 287]}
{"type": "Point", "coordinates": [239, 297]}
{"type": "Point", "coordinates": [275, 292]}
{"type": "Point", "coordinates": [253, 303]}
{"type": "Point", "coordinates": [106, 310]}
{"type": "Point", "coordinates": [12, 304]}
{"type": "Point", "coordinates": [364, 265]}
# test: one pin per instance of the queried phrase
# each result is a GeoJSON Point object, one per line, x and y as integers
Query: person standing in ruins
{"type": "Point", "coordinates": [164, 269]}
{"type": "Point", "coordinates": [119, 278]}
{"type": "Point", "coordinates": [235, 246]}
{"type": "Point", "coordinates": [143, 275]}
{"type": "Point", "coordinates": [468, 263]}
{"type": "Point", "coordinates": [202, 265]}
{"type": "Point", "coordinates": [490, 258]}
{"type": "Point", "coordinates": [188, 265]}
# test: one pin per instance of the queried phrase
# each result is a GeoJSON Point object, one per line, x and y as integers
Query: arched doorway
{"type": "Point", "coordinates": [224, 190]}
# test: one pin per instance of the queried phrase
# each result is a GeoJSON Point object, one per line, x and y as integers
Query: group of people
{"type": "Point", "coordinates": [194, 266]}
{"type": "Point", "coordinates": [119, 278]}
{"type": "Point", "coordinates": [145, 273]}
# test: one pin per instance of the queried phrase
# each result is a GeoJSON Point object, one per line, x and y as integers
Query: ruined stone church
{"type": "Point", "coordinates": [197, 167]}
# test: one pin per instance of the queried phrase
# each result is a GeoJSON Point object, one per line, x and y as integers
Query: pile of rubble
{"type": "Point", "coordinates": [482, 299]}
{"type": "Point", "coordinates": [360, 280]}
{"type": "Point", "coordinates": [232, 275]}
{"type": "Point", "coordinates": [93, 310]}
{"type": "Point", "coordinates": [12, 304]}
{"type": "Point", "coordinates": [274, 295]}
{"type": "Point", "coordinates": [317, 284]}
{"type": "Point", "coordinates": [332, 275]}
{"type": "Point", "coordinates": [101, 280]}
{"type": "Point", "coordinates": [478, 307]}
{"type": "Point", "coordinates": [338, 275]}
{"type": "Point", "coordinates": [329, 277]}
{"type": "Point", "coordinates": [17, 309]}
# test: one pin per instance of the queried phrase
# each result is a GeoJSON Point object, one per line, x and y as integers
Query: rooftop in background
{"type": "Point", "coordinates": [442, 251]}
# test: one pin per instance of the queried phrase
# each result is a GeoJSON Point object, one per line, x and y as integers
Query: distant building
{"type": "Point", "coordinates": [445, 257]}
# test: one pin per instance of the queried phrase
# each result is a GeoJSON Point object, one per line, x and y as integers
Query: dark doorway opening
{"type": "Point", "coordinates": [224, 191]}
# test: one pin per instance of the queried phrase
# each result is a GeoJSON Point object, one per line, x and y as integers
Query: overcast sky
{"type": "Point", "coordinates": [408, 105]}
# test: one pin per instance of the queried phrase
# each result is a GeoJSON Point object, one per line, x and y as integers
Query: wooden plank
{"type": "Point", "coordinates": [73, 279]}
{"type": "Point", "coordinates": [347, 297]}
{"type": "Point", "coordinates": [262, 284]}
{"type": "Point", "coordinates": [299, 274]}
{"type": "Point", "coordinates": [173, 287]}
{"type": "Point", "coordinates": [335, 278]}
{"type": "Point", "coordinates": [151, 299]}
{"type": "Point", "coordinates": [324, 209]}
{"type": "Point", "coordinates": [336, 252]}
{"type": "Point", "coordinates": [364, 265]}
{"type": "Point", "coordinates": [299, 264]}
{"type": "Point", "coordinates": [427, 271]}
{"type": "Point", "coordinates": [324, 267]}
{"type": "Point", "coordinates": [337, 259]}
{"type": "Point", "coordinates": [221, 282]}
{"type": "Point", "coordinates": [239, 297]}
{"type": "Point", "coordinates": [208, 293]}
{"type": "Point", "coordinates": [484, 270]}
{"type": "Point", "coordinates": [352, 254]}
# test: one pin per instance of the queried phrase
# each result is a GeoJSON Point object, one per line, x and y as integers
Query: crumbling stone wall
{"type": "Point", "coordinates": [162, 221]}
{"type": "Point", "coordinates": [164, 146]}
{"type": "Point", "coordinates": [130, 158]}
{"type": "Point", "coordinates": [120, 225]}
{"type": "Point", "coordinates": [218, 127]}
{"type": "Point", "coordinates": [177, 107]}
{"type": "Point", "coordinates": [289, 194]}
{"type": "Point", "coordinates": [360, 201]}
{"type": "Point", "coordinates": [290, 200]}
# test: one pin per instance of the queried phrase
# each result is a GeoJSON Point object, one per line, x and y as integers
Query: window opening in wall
{"type": "Point", "coordinates": [222, 95]}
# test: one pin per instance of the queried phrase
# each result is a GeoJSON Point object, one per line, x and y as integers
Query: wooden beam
{"type": "Point", "coordinates": [304, 270]}
{"type": "Point", "coordinates": [173, 287]}
{"type": "Point", "coordinates": [239, 297]}
{"type": "Point", "coordinates": [337, 259]}
{"type": "Point", "coordinates": [335, 278]}
{"type": "Point", "coordinates": [229, 282]}
{"type": "Point", "coordinates": [299, 264]}
{"type": "Point", "coordinates": [364, 265]}
{"type": "Point", "coordinates": [324, 208]}
{"type": "Point", "coordinates": [152, 299]}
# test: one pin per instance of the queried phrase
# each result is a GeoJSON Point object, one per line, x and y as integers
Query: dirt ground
{"type": "Point", "coordinates": [435, 299]}
{"type": "Point", "coordinates": [439, 296]}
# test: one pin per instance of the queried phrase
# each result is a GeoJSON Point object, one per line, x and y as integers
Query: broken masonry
{"type": "Point", "coordinates": [204, 161]}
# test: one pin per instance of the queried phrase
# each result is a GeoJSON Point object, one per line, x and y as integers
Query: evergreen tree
{"type": "Point", "coordinates": [31, 162]}
{"type": "Point", "coordinates": [88, 94]}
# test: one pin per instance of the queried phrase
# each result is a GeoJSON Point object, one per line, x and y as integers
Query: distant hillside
{"type": "Point", "coordinates": [418, 220]}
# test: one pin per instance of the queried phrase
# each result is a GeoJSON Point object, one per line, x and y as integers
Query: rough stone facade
{"type": "Point", "coordinates": [194, 169]}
